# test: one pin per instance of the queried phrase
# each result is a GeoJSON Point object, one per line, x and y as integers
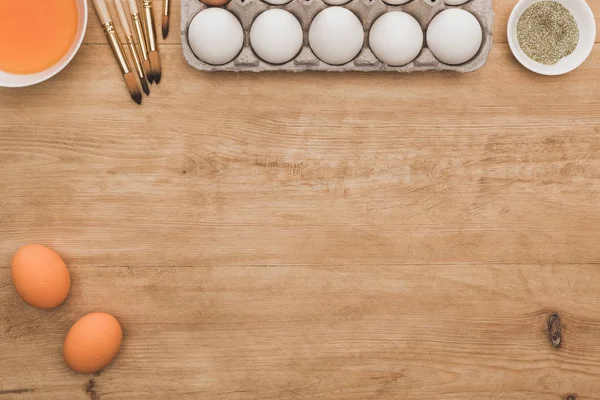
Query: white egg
{"type": "Point", "coordinates": [276, 36]}
{"type": "Point", "coordinates": [216, 36]}
{"type": "Point", "coordinates": [455, 2]}
{"type": "Point", "coordinates": [396, 2]}
{"type": "Point", "coordinates": [336, 2]}
{"type": "Point", "coordinates": [396, 38]}
{"type": "Point", "coordinates": [454, 36]}
{"type": "Point", "coordinates": [277, 2]}
{"type": "Point", "coordinates": [336, 35]}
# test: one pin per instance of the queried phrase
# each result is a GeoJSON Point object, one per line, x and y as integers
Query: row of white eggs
{"type": "Point", "coordinates": [390, 2]}
{"type": "Point", "coordinates": [335, 36]}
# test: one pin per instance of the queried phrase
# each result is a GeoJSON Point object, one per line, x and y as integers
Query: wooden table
{"type": "Point", "coordinates": [310, 236]}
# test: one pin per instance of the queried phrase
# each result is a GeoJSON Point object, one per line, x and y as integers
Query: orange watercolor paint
{"type": "Point", "coordinates": [36, 34]}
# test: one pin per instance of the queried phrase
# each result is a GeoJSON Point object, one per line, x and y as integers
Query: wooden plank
{"type": "Point", "coordinates": [418, 231]}
{"type": "Point", "coordinates": [366, 332]}
{"type": "Point", "coordinates": [498, 166]}
{"type": "Point", "coordinates": [502, 10]}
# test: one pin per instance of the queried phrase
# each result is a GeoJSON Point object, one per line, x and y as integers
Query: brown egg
{"type": "Point", "coordinates": [92, 343]}
{"type": "Point", "coordinates": [215, 3]}
{"type": "Point", "coordinates": [40, 276]}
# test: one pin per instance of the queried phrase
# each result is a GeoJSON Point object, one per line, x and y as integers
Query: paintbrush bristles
{"type": "Point", "coordinates": [133, 87]}
{"type": "Point", "coordinates": [166, 11]}
{"type": "Point", "coordinates": [145, 86]}
{"type": "Point", "coordinates": [155, 65]}
{"type": "Point", "coordinates": [148, 70]}
{"type": "Point", "coordinates": [165, 26]}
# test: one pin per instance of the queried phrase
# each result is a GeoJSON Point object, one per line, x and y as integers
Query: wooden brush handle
{"type": "Point", "coordinates": [111, 34]}
{"type": "Point", "coordinates": [133, 7]}
{"type": "Point", "coordinates": [102, 11]}
{"type": "Point", "coordinates": [128, 10]}
{"type": "Point", "coordinates": [123, 17]}
{"type": "Point", "coordinates": [149, 25]}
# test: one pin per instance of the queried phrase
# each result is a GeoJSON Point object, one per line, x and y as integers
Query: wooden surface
{"type": "Point", "coordinates": [309, 236]}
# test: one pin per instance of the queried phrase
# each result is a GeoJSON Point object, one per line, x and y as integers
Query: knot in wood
{"type": "Point", "coordinates": [555, 332]}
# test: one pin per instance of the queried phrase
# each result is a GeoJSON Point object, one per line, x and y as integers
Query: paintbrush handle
{"type": "Point", "coordinates": [102, 11]}
{"type": "Point", "coordinates": [133, 6]}
{"type": "Point", "coordinates": [137, 62]}
{"type": "Point", "coordinates": [120, 5]}
{"type": "Point", "coordinates": [123, 17]}
{"type": "Point", "coordinates": [117, 48]}
{"type": "Point", "coordinates": [149, 25]}
{"type": "Point", "coordinates": [139, 30]}
{"type": "Point", "coordinates": [137, 26]}
{"type": "Point", "coordinates": [111, 34]}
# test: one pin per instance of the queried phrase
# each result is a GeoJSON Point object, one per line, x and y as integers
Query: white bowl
{"type": "Point", "coordinates": [21, 80]}
{"type": "Point", "coordinates": [587, 35]}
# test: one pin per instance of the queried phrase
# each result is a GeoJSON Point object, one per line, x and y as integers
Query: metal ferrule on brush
{"type": "Point", "coordinates": [136, 58]}
{"type": "Point", "coordinates": [165, 9]}
{"type": "Point", "coordinates": [116, 47]}
{"type": "Point", "coordinates": [151, 31]}
{"type": "Point", "coordinates": [139, 30]}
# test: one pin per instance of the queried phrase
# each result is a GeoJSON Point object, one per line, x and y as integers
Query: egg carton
{"type": "Point", "coordinates": [366, 10]}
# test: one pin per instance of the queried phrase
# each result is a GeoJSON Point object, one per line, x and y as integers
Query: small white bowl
{"type": "Point", "coordinates": [587, 35]}
{"type": "Point", "coordinates": [22, 80]}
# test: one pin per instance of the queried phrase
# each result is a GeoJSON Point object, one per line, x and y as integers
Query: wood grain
{"type": "Point", "coordinates": [366, 332]}
{"type": "Point", "coordinates": [308, 236]}
{"type": "Point", "coordinates": [229, 169]}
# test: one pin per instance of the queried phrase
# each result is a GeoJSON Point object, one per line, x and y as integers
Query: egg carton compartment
{"type": "Point", "coordinates": [367, 11]}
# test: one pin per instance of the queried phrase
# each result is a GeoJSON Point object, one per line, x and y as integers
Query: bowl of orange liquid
{"type": "Point", "coordinates": [38, 38]}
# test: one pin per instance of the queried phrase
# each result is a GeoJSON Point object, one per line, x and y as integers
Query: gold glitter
{"type": "Point", "coordinates": [547, 32]}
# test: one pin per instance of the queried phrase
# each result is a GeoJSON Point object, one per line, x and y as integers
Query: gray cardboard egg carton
{"type": "Point", "coordinates": [367, 11]}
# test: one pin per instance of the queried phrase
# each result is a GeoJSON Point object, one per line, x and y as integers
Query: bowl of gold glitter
{"type": "Point", "coordinates": [551, 37]}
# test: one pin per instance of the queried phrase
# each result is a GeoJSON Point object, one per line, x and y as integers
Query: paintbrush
{"type": "Point", "coordinates": [141, 36]}
{"type": "Point", "coordinates": [120, 6]}
{"type": "Point", "coordinates": [151, 36]}
{"type": "Point", "coordinates": [115, 44]}
{"type": "Point", "coordinates": [166, 18]}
